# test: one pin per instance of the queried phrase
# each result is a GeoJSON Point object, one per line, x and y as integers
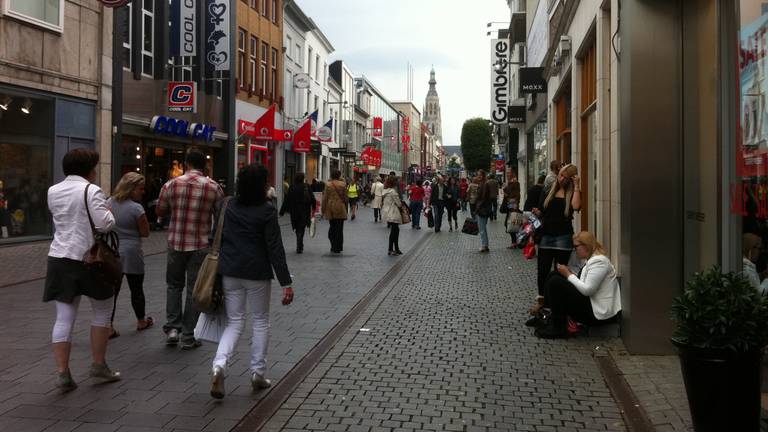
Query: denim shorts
{"type": "Point", "coordinates": [558, 242]}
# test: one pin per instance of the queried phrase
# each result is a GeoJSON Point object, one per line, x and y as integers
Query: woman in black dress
{"type": "Point", "coordinates": [300, 203]}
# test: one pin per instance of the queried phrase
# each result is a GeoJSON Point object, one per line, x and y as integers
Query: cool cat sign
{"type": "Point", "coordinates": [181, 128]}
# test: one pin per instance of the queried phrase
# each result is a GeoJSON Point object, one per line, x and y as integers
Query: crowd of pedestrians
{"type": "Point", "coordinates": [252, 252]}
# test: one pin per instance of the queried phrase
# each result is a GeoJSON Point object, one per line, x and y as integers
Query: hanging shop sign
{"type": "Point", "coordinates": [325, 133]}
{"type": "Point", "coordinates": [183, 28]}
{"type": "Point", "coordinates": [532, 81]}
{"type": "Point", "coordinates": [302, 141]}
{"type": "Point", "coordinates": [217, 34]}
{"type": "Point", "coordinates": [500, 51]}
{"type": "Point", "coordinates": [301, 81]}
{"type": "Point", "coordinates": [516, 113]}
{"type": "Point", "coordinates": [114, 3]}
{"type": "Point", "coordinates": [182, 96]}
{"type": "Point", "coordinates": [378, 127]}
{"type": "Point", "coordinates": [181, 128]}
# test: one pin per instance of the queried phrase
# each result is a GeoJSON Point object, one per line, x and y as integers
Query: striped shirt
{"type": "Point", "coordinates": [191, 200]}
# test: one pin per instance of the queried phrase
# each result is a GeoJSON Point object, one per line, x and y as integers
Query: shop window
{"type": "Point", "coordinates": [563, 127]}
{"type": "Point", "coordinates": [148, 39]}
{"type": "Point", "coordinates": [48, 14]}
{"type": "Point", "coordinates": [749, 184]}
{"type": "Point", "coordinates": [26, 146]}
{"type": "Point", "coordinates": [588, 129]}
{"type": "Point", "coordinates": [182, 68]}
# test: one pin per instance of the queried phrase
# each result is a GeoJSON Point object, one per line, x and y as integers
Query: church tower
{"type": "Point", "coordinates": [432, 109]}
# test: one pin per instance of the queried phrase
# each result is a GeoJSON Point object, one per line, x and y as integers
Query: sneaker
{"type": "Point", "coordinates": [258, 382]}
{"type": "Point", "coordinates": [103, 372]}
{"type": "Point", "coordinates": [172, 338]}
{"type": "Point", "coordinates": [65, 383]}
{"type": "Point", "coordinates": [217, 385]}
{"type": "Point", "coordinates": [191, 344]}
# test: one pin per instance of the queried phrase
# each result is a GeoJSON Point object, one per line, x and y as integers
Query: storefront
{"type": "Point", "coordinates": [36, 130]}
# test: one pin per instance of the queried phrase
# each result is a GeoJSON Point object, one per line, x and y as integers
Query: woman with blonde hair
{"type": "Point", "coordinates": [590, 298]}
{"type": "Point", "coordinates": [131, 225]}
{"type": "Point", "coordinates": [556, 208]}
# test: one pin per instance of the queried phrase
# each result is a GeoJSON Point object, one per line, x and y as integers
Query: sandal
{"type": "Point", "coordinates": [113, 334]}
{"type": "Point", "coordinates": [145, 324]}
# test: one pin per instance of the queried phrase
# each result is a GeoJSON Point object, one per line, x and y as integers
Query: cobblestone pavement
{"type": "Point", "coordinates": [165, 389]}
{"type": "Point", "coordinates": [446, 349]}
{"type": "Point", "coordinates": [658, 384]}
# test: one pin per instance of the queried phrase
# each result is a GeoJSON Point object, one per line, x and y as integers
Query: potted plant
{"type": "Point", "coordinates": [722, 328]}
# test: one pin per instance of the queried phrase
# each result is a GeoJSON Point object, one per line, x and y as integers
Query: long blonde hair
{"type": "Point", "coordinates": [570, 170]}
{"type": "Point", "coordinates": [590, 242]}
{"type": "Point", "coordinates": [127, 185]}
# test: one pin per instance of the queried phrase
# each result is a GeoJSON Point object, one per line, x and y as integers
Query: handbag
{"type": "Point", "coordinates": [529, 251]}
{"type": "Point", "coordinates": [470, 227]}
{"type": "Point", "coordinates": [103, 258]}
{"type": "Point", "coordinates": [514, 222]}
{"type": "Point", "coordinates": [405, 213]}
{"type": "Point", "coordinates": [210, 327]}
{"type": "Point", "coordinates": [208, 293]}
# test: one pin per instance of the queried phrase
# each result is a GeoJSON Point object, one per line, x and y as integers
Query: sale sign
{"type": "Point", "coordinates": [182, 96]}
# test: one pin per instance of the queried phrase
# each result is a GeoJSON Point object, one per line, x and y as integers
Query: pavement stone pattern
{"type": "Point", "coordinates": [446, 349]}
{"type": "Point", "coordinates": [165, 389]}
{"type": "Point", "coordinates": [658, 385]}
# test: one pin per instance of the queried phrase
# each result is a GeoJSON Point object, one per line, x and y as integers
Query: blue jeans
{"type": "Point", "coordinates": [438, 213]}
{"type": "Point", "coordinates": [416, 207]}
{"type": "Point", "coordinates": [482, 225]}
{"type": "Point", "coordinates": [181, 268]}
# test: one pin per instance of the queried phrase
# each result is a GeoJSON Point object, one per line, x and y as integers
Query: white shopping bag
{"type": "Point", "coordinates": [211, 327]}
{"type": "Point", "coordinates": [313, 227]}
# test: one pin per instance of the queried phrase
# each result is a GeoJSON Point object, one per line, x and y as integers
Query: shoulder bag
{"type": "Point", "coordinates": [103, 259]}
{"type": "Point", "coordinates": [405, 212]}
{"type": "Point", "coordinates": [208, 293]}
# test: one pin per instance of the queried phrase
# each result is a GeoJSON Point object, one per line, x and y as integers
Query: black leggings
{"type": "Point", "coordinates": [376, 214]}
{"type": "Point", "coordinates": [136, 285]}
{"type": "Point", "coordinates": [394, 236]}
{"type": "Point", "coordinates": [545, 261]}
{"type": "Point", "coordinates": [566, 301]}
{"type": "Point", "coordinates": [453, 212]}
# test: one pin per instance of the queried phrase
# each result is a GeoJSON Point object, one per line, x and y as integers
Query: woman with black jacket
{"type": "Point", "coordinates": [251, 254]}
{"type": "Point", "coordinates": [300, 203]}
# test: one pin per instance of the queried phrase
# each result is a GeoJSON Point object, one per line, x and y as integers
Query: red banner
{"type": "Point", "coordinates": [302, 139]}
{"type": "Point", "coordinates": [376, 159]}
{"type": "Point", "coordinates": [366, 156]}
{"type": "Point", "coordinates": [263, 129]}
{"type": "Point", "coordinates": [283, 135]}
{"type": "Point", "coordinates": [499, 165]}
{"type": "Point", "coordinates": [378, 126]}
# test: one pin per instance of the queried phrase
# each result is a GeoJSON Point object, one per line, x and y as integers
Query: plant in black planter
{"type": "Point", "coordinates": [722, 327]}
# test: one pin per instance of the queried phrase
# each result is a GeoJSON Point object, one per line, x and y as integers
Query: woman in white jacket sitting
{"type": "Point", "coordinates": [588, 298]}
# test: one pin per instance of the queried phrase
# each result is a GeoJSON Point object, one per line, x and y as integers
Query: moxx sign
{"type": "Point", "coordinates": [499, 80]}
{"type": "Point", "coordinates": [181, 128]}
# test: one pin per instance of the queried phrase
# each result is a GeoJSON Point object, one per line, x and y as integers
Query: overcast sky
{"type": "Point", "coordinates": [377, 38]}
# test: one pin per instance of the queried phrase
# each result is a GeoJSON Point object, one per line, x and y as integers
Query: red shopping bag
{"type": "Point", "coordinates": [529, 251]}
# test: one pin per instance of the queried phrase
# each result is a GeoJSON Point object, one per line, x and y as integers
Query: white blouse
{"type": "Point", "coordinates": [72, 235]}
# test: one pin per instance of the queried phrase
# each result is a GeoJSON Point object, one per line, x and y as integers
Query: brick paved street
{"type": "Point", "coordinates": [164, 388]}
{"type": "Point", "coordinates": [447, 350]}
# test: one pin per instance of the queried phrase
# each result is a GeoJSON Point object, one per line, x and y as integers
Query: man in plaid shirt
{"type": "Point", "coordinates": [191, 200]}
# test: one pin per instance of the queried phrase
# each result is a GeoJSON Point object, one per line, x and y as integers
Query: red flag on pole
{"type": "Point", "coordinates": [265, 125]}
{"type": "Point", "coordinates": [302, 137]}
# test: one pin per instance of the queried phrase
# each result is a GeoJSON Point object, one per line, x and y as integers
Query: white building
{"type": "Point", "coordinates": [318, 48]}
{"type": "Point", "coordinates": [295, 81]}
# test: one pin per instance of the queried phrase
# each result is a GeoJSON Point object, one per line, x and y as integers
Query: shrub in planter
{"type": "Point", "coordinates": [722, 327]}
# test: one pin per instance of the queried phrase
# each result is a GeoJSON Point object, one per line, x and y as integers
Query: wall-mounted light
{"type": "Point", "coordinates": [26, 107]}
{"type": "Point", "coordinates": [5, 101]}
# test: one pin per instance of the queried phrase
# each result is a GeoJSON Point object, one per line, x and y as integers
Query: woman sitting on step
{"type": "Point", "coordinates": [589, 298]}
